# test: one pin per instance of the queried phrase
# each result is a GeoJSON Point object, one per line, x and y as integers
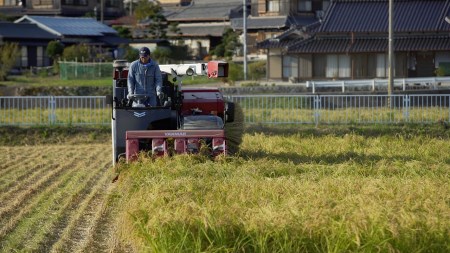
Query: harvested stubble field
{"type": "Point", "coordinates": [301, 189]}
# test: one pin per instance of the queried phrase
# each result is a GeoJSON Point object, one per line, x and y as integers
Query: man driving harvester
{"type": "Point", "coordinates": [144, 78]}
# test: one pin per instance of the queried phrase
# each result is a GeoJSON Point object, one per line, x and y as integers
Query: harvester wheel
{"type": "Point", "coordinates": [235, 130]}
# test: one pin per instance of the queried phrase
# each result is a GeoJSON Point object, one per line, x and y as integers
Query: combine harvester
{"type": "Point", "coordinates": [182, 122]}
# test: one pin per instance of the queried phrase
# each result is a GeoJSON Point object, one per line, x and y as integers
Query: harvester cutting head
{"type": "Point", "coordinates": [184, 121]}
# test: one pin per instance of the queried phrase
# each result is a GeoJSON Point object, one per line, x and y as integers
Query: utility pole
{"type": "Point", "coordinates": [101, 10]}
{"type": "Point", "coordinates": [244, 27]}
{"type": "Point", "coordinates": [391, 52]}
{"type": "Point", "coordinates": [131, 8]}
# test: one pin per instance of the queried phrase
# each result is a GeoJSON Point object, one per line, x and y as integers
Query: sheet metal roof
{"type": "Point", "coordinates": [372, 16]}
{"type": "Point", "coordinates": [67, 26]}
{"type": "Point", "coordinates": [24, 31]}
{"type": "Point", "coordinates": [370, 45]}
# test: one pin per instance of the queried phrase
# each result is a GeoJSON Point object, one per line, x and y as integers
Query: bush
{"type": "Point", "coordinates": [162, 54]}
{"type": "Point", "coordinates": [9, 52]}
{"type": "Point", "coordinates": [54, 49]}
{"type": "Point", "coordinates": [228, 45]}
{"type": "Point", "coordinates": [257, 70]}
{"type": "Point", "coordinates": [130, 53]}
{"type": "Point", "coordinates": [235, 72]}
{"type": "Point", "coordinates": [76, 52]}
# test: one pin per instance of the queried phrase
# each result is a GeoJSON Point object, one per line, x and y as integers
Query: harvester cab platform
{"type": "Point", "coordinates": [183, 120]}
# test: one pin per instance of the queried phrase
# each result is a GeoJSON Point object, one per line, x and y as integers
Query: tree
{"type": "Point", "coordinates": [124, 32]}
{"type": "Point", "coordinates": [151, 13]}
{"type": "Point", "coordinates": [162, 54]}
{"type": "Point", "coordinates": [54, 49]}
{"type": "Point", "coordinates": [130, 53]}
{"type": "Point", "coordinates": [9, 52]}
{"type": "Point", "coordinates": [176, 33]}
{"type": "Point", "coordinates": [228, 45]}
{"type": "Point", "coordinates": [76, 52]}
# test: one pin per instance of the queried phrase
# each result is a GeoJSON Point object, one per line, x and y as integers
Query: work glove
{"type": "Point", "coordinates": [129, 96]}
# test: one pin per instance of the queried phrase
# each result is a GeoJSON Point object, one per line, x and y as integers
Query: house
{"type": "Point", "coordinates": [32, 41]}
{"type": "Point", "coordinates": [270, 18]}
{"type": "Point", "coordinates": [201, 23]}
{"type": "Point", "coordinates": [351, 42]}
{"type": "Point", "coordinates": [79, 8]}
{"type": "Point", "coordinates": [73, 31]}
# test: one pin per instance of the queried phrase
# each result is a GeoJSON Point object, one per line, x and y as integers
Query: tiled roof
{"type": "Point", "coordinates": [370, 45]}
{"type": "Point", "coordinates": [203, 29]}
{"type": "Point", "coordinates": [66, 26]}
{"type": "Point", "coordinates": [24, 31]}
{"type": "Point", "coordinates": [275, 43]}
{"type": "Point", "coordinates": [418, 25]}
{"type": "Point", "coordinates": [274, 22]}
{"type": "Point", "coordinates": [205, 10]}
{"type": "Point", "coordinates": [373, 16]}
{"type": "Point", "coordinates": [289, 37]}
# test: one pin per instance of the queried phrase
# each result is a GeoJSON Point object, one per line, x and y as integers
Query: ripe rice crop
{"type": "Point", "coordinates": [293, 191]}
{"type": "Point", "coordinates": [72, 116]}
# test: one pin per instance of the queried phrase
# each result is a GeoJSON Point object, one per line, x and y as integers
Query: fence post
{"type": "Point", "coordinates": [343, 86]}
{"type": "Point", "coordinates": [406, 105]}
{"type": "Point", "coordinates": [76, 67]}
{"type": "Point", "coordinates": [317, 109]}
{"type": "Point", "coordinates": [51, 110]}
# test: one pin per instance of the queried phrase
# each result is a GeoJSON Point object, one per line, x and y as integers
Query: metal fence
{"type": "Point", "coordinates": [257, 109]}
{"type": "Point", "coordinates": [344, 109]}
{"type": "Point", "coordinates": [54, 110]}
{"type": "Point", "coordinates": [84, 70]}
{"type": "Point", "coordinates": [381, 84]}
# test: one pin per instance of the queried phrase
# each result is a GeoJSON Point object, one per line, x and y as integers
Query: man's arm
{"type": "Point", "coordinates": [131, 80]}
{"type": "Point", "coordinates": [158, 79]}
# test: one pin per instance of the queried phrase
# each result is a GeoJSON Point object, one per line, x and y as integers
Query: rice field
{"type": "Point", "coordinates": [288, 191]}
{"type": "Point", "coordinates": [293, 189]}
{"type": "Point", "coordinates": [53, 198]}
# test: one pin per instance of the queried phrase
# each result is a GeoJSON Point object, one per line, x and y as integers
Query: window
{"type": "Point", "coordinates": [304, 5]}
{"type": "Point", "coordinates": [381, 65]}
{"type": "Point", "coordinates": [273, 5]}
{"type": "Point", "coordinates": [10, 3]}
{"type": "Point", "coordinates": [24, 57]}
{"type": "Point", "coordinates": [290, 66]}
{"type": "Point", "coordinates": [338, 66]}
{"type": "Point", "coordinates": [40, 57]}
{"type": "Point", "coordinates": [320, 62]}
{"type": "Point", "coordinates": [364, 65]}
{"type": "Point", "coordinates": [344, 66]}
{"type": "Point", "coordinates": [42, 2]}
{"type": "Point", "coordinates": [75, 2]}
{"type": "Point", "coordinates": [112, 3]}
{"type": "Point", "coordinates": [332, 66]}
